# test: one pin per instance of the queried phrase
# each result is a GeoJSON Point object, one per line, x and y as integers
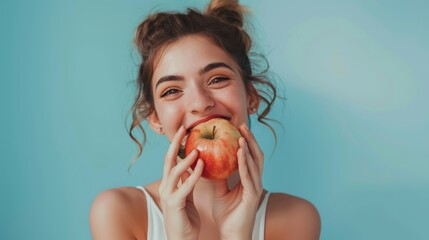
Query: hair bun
{"type": "Point", "coordinates": [229, 11]}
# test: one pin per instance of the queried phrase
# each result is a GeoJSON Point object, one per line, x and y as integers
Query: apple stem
{"type": "Point", "coordinates": [214, 127]}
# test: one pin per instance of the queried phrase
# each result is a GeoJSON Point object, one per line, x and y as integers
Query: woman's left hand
{"type": "Point", "coordinates": [235, 211]}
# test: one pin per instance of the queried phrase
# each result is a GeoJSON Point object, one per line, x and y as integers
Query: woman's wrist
{"type": "Point", "coordinates": [238, 236]}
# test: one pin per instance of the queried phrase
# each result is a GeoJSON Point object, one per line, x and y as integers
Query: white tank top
{"type": "Point", "coordinates": [155, 224]}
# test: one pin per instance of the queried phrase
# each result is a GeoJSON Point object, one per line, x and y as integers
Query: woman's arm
{"type": "Point", "coordinates": [290, 217]}
{"type": "Point", "coordinates": [110, 216]}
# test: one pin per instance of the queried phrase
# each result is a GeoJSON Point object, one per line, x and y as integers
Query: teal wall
{"type": "Point", "coordinates": [355, 136]}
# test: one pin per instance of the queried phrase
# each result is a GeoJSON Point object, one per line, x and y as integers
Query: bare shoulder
{"type": "Point", "coordinates": [291, 217]}
{"type": "Point", "coordinates": [116, 213]}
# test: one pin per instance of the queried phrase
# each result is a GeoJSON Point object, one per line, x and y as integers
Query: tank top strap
{"type": "Point", "coordinates": [259, 227]}
{"type": "Point", "coordinates": [155, 219]}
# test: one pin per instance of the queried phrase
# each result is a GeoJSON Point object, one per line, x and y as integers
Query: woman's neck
{"type": "Point", "coordinates": [212, 188]}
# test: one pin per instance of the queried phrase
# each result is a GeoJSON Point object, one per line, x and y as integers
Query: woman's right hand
{"type": "Point", "coordinates": [181, 218]}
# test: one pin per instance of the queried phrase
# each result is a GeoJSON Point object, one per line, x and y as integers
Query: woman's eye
{"type": "Point", "coordinates": [218, 79]}
{"type": "Point", "coordinates": [170, 92]}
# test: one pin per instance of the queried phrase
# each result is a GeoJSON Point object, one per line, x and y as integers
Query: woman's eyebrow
{"type": "Point", "coordinates": [214, 65]}
{"type": "Point", "coordinates": [169, 78]}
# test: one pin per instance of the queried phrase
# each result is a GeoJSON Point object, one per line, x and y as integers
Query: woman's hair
{"type": "Point", "coordinates": [222, 22]}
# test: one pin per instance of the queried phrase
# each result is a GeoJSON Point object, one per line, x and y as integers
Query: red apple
{"type": "Point", "coordinates": [217, 143]}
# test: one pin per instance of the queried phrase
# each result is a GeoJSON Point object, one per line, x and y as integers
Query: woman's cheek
{"type": "Point", "coordinates": [171, 118]}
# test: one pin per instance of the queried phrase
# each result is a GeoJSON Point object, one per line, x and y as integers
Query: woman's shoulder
{"type": "Point", "coordinates": [292, 217]}
{"type": "Point", "coordinates": [116, 213]}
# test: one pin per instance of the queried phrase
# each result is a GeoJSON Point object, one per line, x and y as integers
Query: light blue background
{"type": "Point", "coordinates": [356, 122]}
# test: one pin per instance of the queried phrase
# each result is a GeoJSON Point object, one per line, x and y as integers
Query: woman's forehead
{"type": "Point", "coordinates": [190, 53]}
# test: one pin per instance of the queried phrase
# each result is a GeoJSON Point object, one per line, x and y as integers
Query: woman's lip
{"type": "Point", "coordinates": [205, 119]}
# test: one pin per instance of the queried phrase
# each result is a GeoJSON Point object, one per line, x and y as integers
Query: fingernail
{"type": "Point", "coordinates": [243, 142]}
{"type": "Point", "coordinates": [200, 162]}
{"type": "Point", "coordinates": [182, 128]}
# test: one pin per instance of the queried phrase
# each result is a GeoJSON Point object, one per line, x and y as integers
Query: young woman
{"type": "Point", "coordinates": [195, 67]}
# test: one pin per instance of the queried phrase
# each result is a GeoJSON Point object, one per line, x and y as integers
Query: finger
{"type": "Point", "coordinates": [253, 145]}
{"type": "Point", "coordinates": [251, 164]}
{"type": "Point", "coordinates": [179, 170]}
{"type": "Point", "coordinates": [245, 178]}
{"type": "Point", "coordinates": [185, 175]}
{"type": "Point", "coordinates": [188, 185]}
{"type": "Point", "coordinates": [170, 156]}
{"type": "Point", "coordinates": [183, 178]}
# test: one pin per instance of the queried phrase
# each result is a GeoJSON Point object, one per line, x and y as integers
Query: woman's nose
{"type": "Point", "coordinates": [200, 100]}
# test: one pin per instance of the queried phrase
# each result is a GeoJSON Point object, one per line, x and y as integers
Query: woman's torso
{"type": "Point", "coordinates": [137, 203]}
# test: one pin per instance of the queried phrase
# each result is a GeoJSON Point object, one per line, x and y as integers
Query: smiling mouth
{"type": "Point", "coordinates": [205, 119]}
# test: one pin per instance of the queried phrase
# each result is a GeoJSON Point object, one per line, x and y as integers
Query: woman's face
{"type": "Point", "coordinates": [195, 80]}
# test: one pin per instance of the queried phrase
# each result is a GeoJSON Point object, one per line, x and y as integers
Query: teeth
{"type": "Point", "coordinates": [222, 117]}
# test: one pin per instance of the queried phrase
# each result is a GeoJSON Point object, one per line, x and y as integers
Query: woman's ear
{"type": "Point", "coordinates": [154, 123]}
{"type": "Point", "coordinates": [253, 100]}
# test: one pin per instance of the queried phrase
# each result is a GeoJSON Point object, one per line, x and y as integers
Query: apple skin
{"type": "Point", "coordinates": [217, 143]}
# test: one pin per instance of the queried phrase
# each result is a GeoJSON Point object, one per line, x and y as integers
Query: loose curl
{"type": "Point", "coordinates": [222, 22]}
